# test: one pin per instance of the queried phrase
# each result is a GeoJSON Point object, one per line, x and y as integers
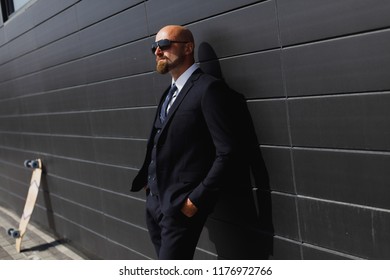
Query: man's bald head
{"type": "Point", "coordinates": [179, 55]}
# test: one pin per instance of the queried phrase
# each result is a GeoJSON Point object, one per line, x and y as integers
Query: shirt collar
{"type": "Point", "coordinates": [181, 81]}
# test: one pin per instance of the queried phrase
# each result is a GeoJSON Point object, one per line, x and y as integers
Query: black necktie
{"type": "Point", "coordinates": [163, 112]}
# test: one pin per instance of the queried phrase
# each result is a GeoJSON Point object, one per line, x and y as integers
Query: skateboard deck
{"type": "Point", "coordinates": [30, 201]}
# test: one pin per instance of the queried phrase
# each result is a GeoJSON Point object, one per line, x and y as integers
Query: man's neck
{"type": "Point", "coordinates": [176, 73]}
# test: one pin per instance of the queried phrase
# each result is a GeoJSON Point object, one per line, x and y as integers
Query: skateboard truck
{"type": "Point", "coordinates": [32, 195]}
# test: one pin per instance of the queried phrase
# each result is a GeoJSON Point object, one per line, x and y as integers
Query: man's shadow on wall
{"type": "Point", "coordinates": [241, 225]}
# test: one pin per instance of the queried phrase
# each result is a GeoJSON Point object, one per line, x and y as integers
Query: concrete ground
{"type": "Point", "coordinates": [36, 245]}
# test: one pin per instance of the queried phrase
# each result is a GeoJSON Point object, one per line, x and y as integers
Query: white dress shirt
{"type": "Point", "coordinates": [180, 82]}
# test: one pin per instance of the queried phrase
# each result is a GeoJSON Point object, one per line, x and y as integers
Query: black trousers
{"type": "Point", "coordinates": [174, 237]}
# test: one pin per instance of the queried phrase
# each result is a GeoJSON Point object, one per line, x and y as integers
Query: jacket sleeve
{"type": "Point", "coordinates": [218, 111]}
{"type": "Point", "coordinates": [141, 180]}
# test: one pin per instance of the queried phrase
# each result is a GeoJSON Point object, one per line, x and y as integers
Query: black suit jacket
{"type": "Point", "coordinates": [196, 147]}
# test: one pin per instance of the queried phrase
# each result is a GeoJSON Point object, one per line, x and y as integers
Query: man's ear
{"type": "Point", "coordinates": [189, 48]}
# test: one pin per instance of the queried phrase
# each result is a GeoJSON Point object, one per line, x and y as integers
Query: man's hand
{"type": "Point", "coordinates": [189, 209]}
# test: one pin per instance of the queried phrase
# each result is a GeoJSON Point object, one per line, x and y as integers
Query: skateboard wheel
{"type": "Point", "coordinates": [10, 231]}
{"type": "Point", "coordinates": [16, 234]}
{"type": "Point", "coordinates": [31, 163]}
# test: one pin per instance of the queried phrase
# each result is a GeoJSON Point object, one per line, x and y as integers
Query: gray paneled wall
{"type": "Point", "coordinates": [78, 89]}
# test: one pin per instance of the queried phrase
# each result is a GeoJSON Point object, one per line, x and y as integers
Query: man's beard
{"type": "Point", "coordinates": [162, 66]}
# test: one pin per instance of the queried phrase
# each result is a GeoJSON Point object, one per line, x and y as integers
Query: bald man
{"type": "Point", "coordinates": [191, 148]}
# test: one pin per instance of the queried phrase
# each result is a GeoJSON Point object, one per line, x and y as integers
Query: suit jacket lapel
{"type": "Point", "coordinates": [184, 91]}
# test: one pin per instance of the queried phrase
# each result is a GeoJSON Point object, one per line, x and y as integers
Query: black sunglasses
{"type": "Point", "coordinates": [164, 44]}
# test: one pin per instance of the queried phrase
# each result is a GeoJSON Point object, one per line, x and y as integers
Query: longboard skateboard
{"type": "Point", "coordinates": [32, 195]}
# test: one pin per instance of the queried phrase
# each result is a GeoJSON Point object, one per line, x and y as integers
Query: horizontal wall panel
{"type": "Point", "coordinates": [185, 11]}
{"type": "Point", "coordinates": [354, 121]}
{"type": "Point", "coordinates": [203, 255]}
{"type": "Point", "coordinates": [73, 194]}
{"type": "Point", "coordinates": [12, 171]}
{"type": "Point", "coordinates": [11, 200]}
{"type": "Point", "coordinates": [120, 62]}
{"type": "Point", "coordinates": [227, 241]}
{"type": "Point", "coordinates": [66, 75]}
{"type": "Point", "coordinates": [21, 86]}
{"type": "Point", "coordinates": [11, 140]}
{"type": "Point", "coordinates": [45, 9]}
{"type": "Point", "coordinates": [3, 55]}
{"type": "Point", "coordinates": [11, 124]}
{"type": "Point", "coordinates": [4, 192]}
{"type": "Point", "coordinates": [124, 208]}
{"type": "Point", "coordinates": [83, 172]}
{"type": "Point", "coordinates": [73, 147]}
{"type": "Point", "coordinates": [20, 46]}
{"type": "Point", "coordinates": [2, 38]}
{"type": "Point", "coordinates": [26, 55]}
{"type": "Point", "coordinates": [279, 168]}
{"type": "Point", "coordinates": [119, 252]}
{"type": "Point", "coordinates": [227, 38]}
{"type": "Point", "coordinates": [58, 52]}
{"type": "Point", "coordinates": [85, 240]}
{"type": "Point", "coordinates": [70, 124]}
{"type": "Point", "coordinates": [308, 20]}
{"type": "Point", "coordinates": [6, 89]}
{"type": "Point", "coordinates": [208, 242]}
{"type": "Point", "coordinates": [132, 123]}
{"type": "Point", "coordinates": [91, 11]}
{"type": "Point", "coordinates": [117, 179]}
{"type": "Point", "coordinates": [130, 236]}
{"type": "Point", "coordinates": [284, 249]}
{"type": "Point", "coordinates": [42, 218]}
{"type": "Point", "coordinates": [21, 66]}
{"type": "Point", "coordinates": [359, 178]}
{"type": "Point", "coordinates": [316, 253]}
{"type": "Point", "coordinates": [244, 75]}
{"type": "Point", "coordinates": [15, 157]}
{"type": "Point", "coordinates": [88, 217]}
{"type": "Point", "coordinates": [270, 121]}
{"type": "Point", "coordinates": [62, 100]}
{"type": "Point", "coordinates": [18, 25]}
{"type": "Point", "coordinates": [18, 188]}
{"type": "Point", "coordinates": [127, 153]}
{"type": "Point", "coordinates": [125, 27]}
{"type": "Point", "coordinates": [284, 218]}
{"type": "Point", "coordinates": [352, 64]}
{"type": "Point", "coordinates": [131, 91]}
{"type": "Point", "coordinates": [34, 124]}
{"type": "Point", "coordinates": [37, 13]}
{"type": "Point", "coordinates": [57, 27]}
{"type": "Point", "coordinates": [10, 107]}
{"type": "Point", "coordinates": [354, 230]}
{"type": "Point", "coordinates": [36, 144]}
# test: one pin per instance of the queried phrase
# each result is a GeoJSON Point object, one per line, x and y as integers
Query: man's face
{"type": "Point", "coordinates": [169, 58]}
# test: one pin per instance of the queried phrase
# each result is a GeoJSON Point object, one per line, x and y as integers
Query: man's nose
{"type": "Point", "coordinates": [158, 51]}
